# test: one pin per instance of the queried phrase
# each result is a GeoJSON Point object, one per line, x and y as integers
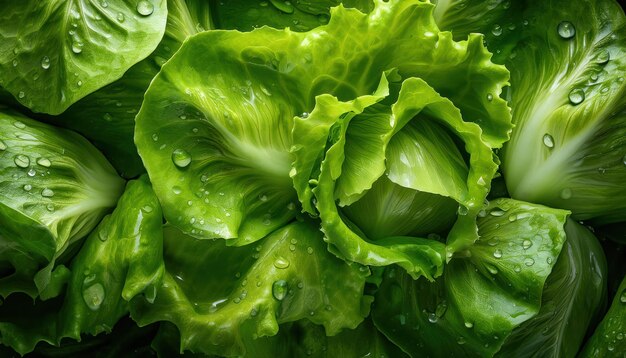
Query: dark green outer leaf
{"type": "Point", "coordinates": [121, 259]}
{"type": "Point", "coordinates": [573, 297]}
{"type": "Point", "coordinates": [484, 293]}
{"type": "Point", "coordinates": [54, 52]}
{"type": "Point", "coordinates": [51, 180]}
{"type": "Point", "coordinates": [609, 338]}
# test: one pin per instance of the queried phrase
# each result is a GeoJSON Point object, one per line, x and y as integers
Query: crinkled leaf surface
{"type": "Point", "coordinates": [568, 149]}
{"type": "Point", "coordinates": [54, 189]}
{"type": "Point", "coordinates": [121, 259]}
{"type": "Point", "coordinates": [484, 293]}
{"type": "Point", "coordinates": [390, 165]}
{"type": "Point", "coordinates": [286, 277]}
{"type": "Point", "coordinates": [232, 120]}
{"type": "Point", "coordinates": [55, 52]}
{"type": "Point", "coordinates": [573, 297]}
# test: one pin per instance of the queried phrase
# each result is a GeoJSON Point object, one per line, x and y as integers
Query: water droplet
{"type": "Point", "coordinates": [45, 62]}
{"type": "Point", "coordinates": [576, 96]}
{"type": "Point", "coordinates": [496, 30]}
{"type": "Point", "coordinates": [155, 137]}
{"type": "Point", "coordinates": [323, 18]}
{"type": "Point", "coordinates": [104, 4]}
{"type": "Point", "coordinates": [107, 117]}
{"type": "Point", "coordinates": [548, 141]}
{"type": "Point", "coordinates": [497, 254]}
{"type": "Point", "coordinates": [493, 241]}
{"type": "Point", "coordinates": [21, 161]}
{"type": "Point", "coordinates": [147, 209]}
{"type": "Point", "coordinates": [603, 57]}
{"type": "Point", "coordinates": [145, 8]}
{"type": "Point", "coordinates": [529, 261]}
{"type": "Point", "coordinates": [566, 193]}
{"type": "Point", "coordinates": [181, 158]}
{"type": "Point", "coordinates": [263, 197]}
{"type": "Point", "coordinates": [47, 193]}
{"type": "Point", "coordinates": [512, 217]}
{"type": "Point", "coordinates": [27, 187]}
{"type": "Point", "coordinates": [517, 269]}
{"type": "Point", "coordinates": [593, 77]}
{"type": "Point", "coordinates": [527, 244]}
{"type": "Point", "coordinates": [79, 83]}
{"type": "Point", "coordinates": [284, 6]}
{"type": "Point", "coordinates": [3, 145]}
{"type": "Point", "coordinates": [462, 210]}
{"type": "Point", "coordinates": [281, 263]}
{"type": "Point", "coordinates": [492, 269]}
{"type": "Point", "coordinates": [280, 289]}
{"type": "Point", "coordinates": [496, 213]}
{"type": "Point", "coordinates": [21, 94]}
{"type": "Point", "coordinates": [622, 296]}
{"type": "Point", "coordinates": [309, 250]}
{"type": "Point", "coordinates": [77, 47]}
{"type": "Point", "coordinates": [489, 97]}
{"type": "Point", "coordinates": [50, 207]}
{"type": "Point", "coordinates": [254, 312]}
{"type": "Point", "coordinates": [432, 318]}
{"type": "Point", "coordinates": [469, 325]}
{"type": "Point", "coordinates": [14, 62]}
{"type": "Point", "coordinates": [31, 172]}
{"type": "Point", "coordinates": [120, 17]}
{"type": "Point", "coordinates": [44, 162]}
{"type": "Point", "coordinates": [566, 30]}
{"type": "Point", "coordinates": [93, 296]}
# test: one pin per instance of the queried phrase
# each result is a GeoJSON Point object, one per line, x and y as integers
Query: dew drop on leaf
{"type": "Point", "coordinates": [279, 289]}
{"type": "Point", "coordinates": [548, 141]}
{"type": "Point", "coordinates": [21, 161]}
{"type": "Point", "coordinates": [496, 30]}
{"type": "Point", "coordinates": [281, 263]}
{"type": "Point", "coordinates": [45, 62]}
{"type": "Point", "coordinates": [576, 96]}
{"type": "Point", "coordinates": [566, 30]}
{"type": "Point", "coordinates": [93, 296]}
{"type": "Point", "coordinates": [145, 8]}
{"type": "Point", "coordinates": [181, 158]}
{"type": "Point", "coordinates": [44, 162]}
{"type": "Point", "coordinates": [603, 57]}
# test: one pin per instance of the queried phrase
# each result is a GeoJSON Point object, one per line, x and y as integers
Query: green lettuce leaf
{"type": "Point", "coordinates": [286, 277]}
{"type": "Point", "coordinates": [568, 99]}
{"type": "Point", "coordinates": [107, 116]}
{"type": "Point", "coordinates": [228, 125]}
{"type": "Point", "coordinates": [485, 292]}
{"type": "Point", "coordinates": [392, 168]}
{"type": "Point", "coordinates": [121, 259]}
{"type": "Point", "coordinates": [301, 15]}
{"type": "Point", "coordinates": [53, 53]}
{"type": "Point", "coordinates": [573, 297]}
{"type": "Point", "coordinates": [609, 338]}
{"type": "Point", "coordinates": [54, 189]}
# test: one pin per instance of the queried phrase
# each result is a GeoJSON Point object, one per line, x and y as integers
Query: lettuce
{"type": "Point", "coordinates": [356, 178]}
